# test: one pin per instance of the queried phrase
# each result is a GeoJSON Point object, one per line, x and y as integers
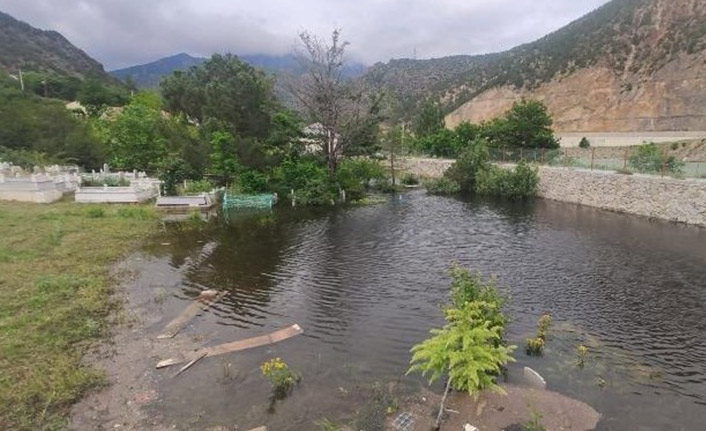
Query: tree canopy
{"type": "Point", "coordinates": [226, 89]}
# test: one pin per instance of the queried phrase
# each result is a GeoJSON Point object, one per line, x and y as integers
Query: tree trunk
{"type": "Point", "coordinates": [437, 424]}
{"type": "Point", "coordinates": [392, 164]}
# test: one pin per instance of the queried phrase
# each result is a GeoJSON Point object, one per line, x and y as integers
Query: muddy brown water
{"type": "Point", "coordinates": [366, 283]}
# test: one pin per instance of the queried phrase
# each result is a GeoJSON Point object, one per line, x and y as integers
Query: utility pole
{"type": "Point", "coordinates": [22, 82]}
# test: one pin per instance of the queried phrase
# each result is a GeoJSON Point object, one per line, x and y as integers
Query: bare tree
{"type": "Point", "coordinates": [344, 114]}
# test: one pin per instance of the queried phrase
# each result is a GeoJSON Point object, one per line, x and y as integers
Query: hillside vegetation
{"type": "Point", "coordinates": [627, 36]}
{"type": "Point", "coordinates": [29, 48]}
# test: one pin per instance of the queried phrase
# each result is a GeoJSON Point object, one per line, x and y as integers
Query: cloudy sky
{"type": "Point", "coordinates": [126, 32]}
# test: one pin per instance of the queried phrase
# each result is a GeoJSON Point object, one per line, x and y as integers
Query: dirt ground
{"type": "Point", "coordinates": [129, 360]}
{"type": "Point", "coordinates": [497, 412]}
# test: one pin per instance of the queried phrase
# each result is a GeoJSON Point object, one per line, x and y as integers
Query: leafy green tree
{"type": "Point", "coordinates": [443, 143]}
{"type": "Point", "coordinates": [468, 349]}
{"type": "Point", "coordinates": [95, 94]}
{"type": "Point", "coordinates": [31, 124]}
{"type": "Point", "coordinates": [224, 165]}
{"type": "Point", "coordinates": [430, 119]}
{"type": "Point", "coordinates": [584, 143]}
{"type": "Point", "coordinates": [528, 124]}
{"type": "Point", "coordinates": [464, 171]}
{"type": "Point", "coordinates": [226, 89]}
{"type": "Point", "coordinates": [466, 133]}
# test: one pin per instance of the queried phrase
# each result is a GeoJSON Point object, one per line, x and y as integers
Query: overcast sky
{"type": "Point", "coordinates": [122, 33]}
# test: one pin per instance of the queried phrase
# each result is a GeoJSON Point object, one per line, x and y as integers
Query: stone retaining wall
{"type": "Point", "coordinates": [645, 195]}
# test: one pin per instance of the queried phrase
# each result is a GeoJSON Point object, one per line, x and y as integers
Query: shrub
{"type": "Point", "coordinates": [474, 159]}
{"type": "Point", "coordinates": [251, 181]}
{"type": "Point", "coordinates": [110, 181]}
{"type": "Point", "coordinates": [584, 143]}
{"type": "Point", "coordinates": [442, 186]}
{"type": "Point", "coordinates": [522, 182]}
{"type": "Point", "coordinates": [354, 176]}
{"type": "Point", "coordinates": [650, 160]}
{"type": "Point", "coordinates": [581, 355]}
{"type": "Point", "coordinates": [535, 346]}
{"type": "Point", "coordinates": [307, 178]}
{"type": "Point", "coordinates": [280, 377]}
{"type": "Point", "coordinates": [409, 179]}
{"type": "Point", "coordinates": [196, 187]}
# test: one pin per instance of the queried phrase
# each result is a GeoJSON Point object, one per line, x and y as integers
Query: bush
{"type": "Point", "coordinates": [522, 182]}
{"type": "Point", "coordinates": [251, 181]}
{"type": "Point", "coordinates": [111, 181]}
{"type": "Point", "coordinates": [307, 178]}
{"type": "Point", "coordinates": [649, 159]}
{"type": "Point", "coordinates": [409, 180]}
{"type": "Point", "coordinates": [280, 377]}
{"type": "Point", "coordinates": [354, 176]}
{"type": "Point", "coordinates": [442, 186]}
{"type": "Point", "coordinates": [475, 158]}
{"type": "Point", "coordinates": [584, 143]}
{"type": "Point", "coordinates": [196, 187]}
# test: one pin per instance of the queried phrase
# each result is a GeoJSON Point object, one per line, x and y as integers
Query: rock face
{"type": "Point", "coordinates": [628, 66]}
{"type": "Point", "coordinates": [596, 99]}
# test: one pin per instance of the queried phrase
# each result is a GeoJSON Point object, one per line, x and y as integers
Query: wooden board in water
{"type": "Point", "coordinates": [202, 302]}
{"type": "Point", "coordinates": [235, 346]}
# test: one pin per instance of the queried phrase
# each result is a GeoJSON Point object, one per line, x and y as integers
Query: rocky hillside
{"type": "Point", "coordinates": [631, 65]}
{"type": "Point", "coordinates": [29, 48]}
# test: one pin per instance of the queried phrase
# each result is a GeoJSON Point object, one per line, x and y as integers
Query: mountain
{"type": "Point", "coordinates": [29, 48]}
{"type": "Point", "coordinates": [148, 75]}
{"type": "Point", "coordinates": [630, 65]}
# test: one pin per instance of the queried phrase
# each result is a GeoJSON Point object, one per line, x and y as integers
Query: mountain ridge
{"type": "Point", "coordinates": [148, 75]}
{"type": "Point", "coordinates": [27, 47]}
{"type": "Point", "coordinates": [625, 50]}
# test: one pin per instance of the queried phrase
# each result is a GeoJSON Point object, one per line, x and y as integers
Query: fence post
{"type": "Point", "coordinates": [593, 156]}
{"type": "Point", "coordinates": [664, 161]}
{"type": "Point", "coordinates": [541, 157]}
{"type": "Point", "coordinates": [625, 159]}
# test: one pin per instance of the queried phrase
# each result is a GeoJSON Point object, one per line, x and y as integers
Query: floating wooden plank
{"type": "Point", "coordinates": [202, 302]}
{"type": "Point", "coordinates": [250, 343]}
{"type": "Point", "coordinates": [188, 365]}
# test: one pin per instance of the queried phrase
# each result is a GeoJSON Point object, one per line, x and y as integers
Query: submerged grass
{"type": "Point", "coordinates": [55, 295]}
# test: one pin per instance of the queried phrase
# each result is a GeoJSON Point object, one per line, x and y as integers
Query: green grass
{"type": "Point", "coordinates": [55, 297]}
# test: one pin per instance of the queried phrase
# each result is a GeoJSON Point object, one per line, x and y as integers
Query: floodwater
{"type": "Point", "coordinates": [366, 283]}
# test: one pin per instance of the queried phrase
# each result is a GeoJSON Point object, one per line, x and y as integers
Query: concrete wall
{"type": "Point", "coordinates": [645, 195]}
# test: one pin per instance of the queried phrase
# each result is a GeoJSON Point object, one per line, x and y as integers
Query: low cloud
{"type": "Point", "coordinates": [125, 32]}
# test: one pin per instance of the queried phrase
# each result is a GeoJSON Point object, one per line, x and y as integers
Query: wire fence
{"type": "Point", "coordinates": [634, 159]}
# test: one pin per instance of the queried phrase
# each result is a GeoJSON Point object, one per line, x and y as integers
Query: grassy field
{"type": "Point", "coordinates": [55, 296]}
